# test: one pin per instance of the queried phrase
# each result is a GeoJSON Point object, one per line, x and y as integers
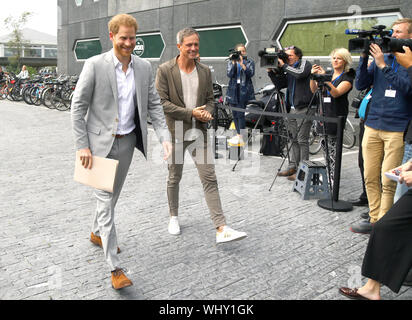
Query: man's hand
{"type": "Point", "coordinates": [167, 149]}
{"type": "Point", "coordinates": [404, 59]}
{"type": "Point", "coordinates": [377, 54]}
{"type": "Point", "coordinates": [201, 114]}
{"type": "Point", "coordinates": [86, 158]}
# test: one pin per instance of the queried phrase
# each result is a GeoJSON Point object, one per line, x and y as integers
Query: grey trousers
{"type": "Point", "coordinates": [103, 222]}
{"type": "Point", "coordinates": [204, 161]}
{"type": "Point", "coordinates": [300, 140]}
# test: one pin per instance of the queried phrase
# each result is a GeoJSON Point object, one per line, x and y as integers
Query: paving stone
{"type": "Point", "coordinates": [294, 249]}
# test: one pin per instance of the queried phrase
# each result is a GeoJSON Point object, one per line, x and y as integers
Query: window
{"type": "Point", "coordinates": [149, 46]}
{"type": "Point", "coordinates": [216, 42]}
{"type": "Point", "coordinates": [10, 52]}
{"type": "Point", "coordinates": [84, 49]}
{"type": "Point", "coordinates": [50, 53]}
{"type": "Point", "coordinates": [33, 52]}
{"type": "Point", "coordinates": [318, 37]}
{"type": "Point", "coordinates": [78, 2]}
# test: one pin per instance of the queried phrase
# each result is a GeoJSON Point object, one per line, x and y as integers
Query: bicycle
{"type": "Point", "coordinates": [316, 137]}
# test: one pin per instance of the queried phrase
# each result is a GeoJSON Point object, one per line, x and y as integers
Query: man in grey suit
{"type": "Point", "coordinates": [113, 96]}
{"type": "Point", "coordinates": [185, 89]}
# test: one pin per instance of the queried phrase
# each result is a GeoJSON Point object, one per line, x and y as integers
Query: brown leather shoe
{"type": "Point", "coordinates": [351, 293]}
{"type": "Point", "coordinates": [287, 173]}
{"type": "Point", "coordinates": [119, 280]}
{"type": "Point", "coordinates": [292, 177]}
{"type": "Point", "coordinates": [98, 241]}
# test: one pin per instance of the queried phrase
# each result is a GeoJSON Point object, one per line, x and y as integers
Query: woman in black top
{"type": "Point", "coordinates": [335, 96]}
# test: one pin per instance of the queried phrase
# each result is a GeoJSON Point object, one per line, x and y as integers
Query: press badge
{"type": "Point", "coordinates": [327, 100]}
{"type": "Point", "coordinates": [390, 93]}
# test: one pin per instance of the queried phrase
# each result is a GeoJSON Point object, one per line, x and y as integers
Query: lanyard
{"type": "Point", "coordinates": [333, 82]}
{"type": "Point", "coordinates": [397, 65]}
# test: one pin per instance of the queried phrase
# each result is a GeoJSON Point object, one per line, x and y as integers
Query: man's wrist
{"type": "Point", "coordinates": [384, 68]}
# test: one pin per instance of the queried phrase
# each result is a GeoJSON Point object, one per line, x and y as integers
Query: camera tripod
{"type": "Point", "coordinates": [283, 110]}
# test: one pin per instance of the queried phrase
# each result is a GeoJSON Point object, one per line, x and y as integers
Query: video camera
{"type": "Point", "coordinates": [322, 78]}
{"type": "Point", "coordinates": [378, 36]}
{"type": "Point", "coordinates": [269, 57]}
{"type": "Point", "coordinates": [234, 55]}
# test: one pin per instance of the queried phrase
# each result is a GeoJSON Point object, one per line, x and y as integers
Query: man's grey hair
{"type": "Point", "coordinates": [186, 32]}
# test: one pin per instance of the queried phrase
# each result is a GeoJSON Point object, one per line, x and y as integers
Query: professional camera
{"type": "Point", "coordinates": [378, 36]}
{"type": "Point", "coordinates": [269, 57]}
{"type": "Point", "coordinates": [234, 55]}
{"type": "Point", "coordinates": [322, 78]}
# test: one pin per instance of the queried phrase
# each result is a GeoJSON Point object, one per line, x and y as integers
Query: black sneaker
{"type": "Point", "coordinates": [364, 227]}
{"type": "Point", "coordinates": [361, 202]}
{"type": "Point", "coordinates": [365, 215]}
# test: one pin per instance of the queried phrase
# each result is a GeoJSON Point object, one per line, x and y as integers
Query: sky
{"type": "Point", "coordinates": [44, 16]}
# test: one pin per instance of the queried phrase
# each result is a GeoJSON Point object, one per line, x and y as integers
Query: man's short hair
{"type": "Point", "coordinates": [404, 20]}
{"type": "Point", "coordinates": [298, 52]}
{"type": "Point", "coordinates": [239, 45]}
{"type": "Point", "coordinates": [186, 32]}
{"type": "Point", "coordinates": [122, 20]}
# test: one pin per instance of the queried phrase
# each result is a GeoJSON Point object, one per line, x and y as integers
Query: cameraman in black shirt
{"type": "Point", "coordinates": [294, 74]}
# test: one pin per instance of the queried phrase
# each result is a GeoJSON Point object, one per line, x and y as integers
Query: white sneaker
{"type": "Point", "coordinates": [174, 227]}
{"type": "Point", "coordinates": [228, 234]}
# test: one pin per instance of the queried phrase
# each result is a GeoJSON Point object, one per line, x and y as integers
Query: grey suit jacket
{"type": "Point", "coordinates": [94, 108]}
{"type": "Point", "coordinates": [169, 87]}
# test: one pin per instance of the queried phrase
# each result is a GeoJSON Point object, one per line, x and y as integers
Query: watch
{"type": "Point", "coordinates": [385, 68]}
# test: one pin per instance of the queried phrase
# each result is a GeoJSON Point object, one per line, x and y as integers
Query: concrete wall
{"type": "Point", "coordinates": [262, 21]}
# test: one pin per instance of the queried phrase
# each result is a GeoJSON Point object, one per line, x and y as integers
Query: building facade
{"type": "Point", "coordinates": [41, 49]}
{"type": "Point", "coordinates": [316, 26]}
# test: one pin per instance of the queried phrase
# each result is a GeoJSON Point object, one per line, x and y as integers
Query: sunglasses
{"type": "Point", "coordinates": [289, 48]}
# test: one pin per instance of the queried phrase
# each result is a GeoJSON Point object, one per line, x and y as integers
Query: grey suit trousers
{"type": "Point", "coordinates": [103, 222]}
{"type": "Point", "coordinates": [204, 161]}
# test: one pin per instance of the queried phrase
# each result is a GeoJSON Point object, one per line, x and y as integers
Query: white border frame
{"type": "Point", "coordinates": [333, 19]}
{"type": "Point", "coordinates": [221, 28]}
{"type": "Point", "coordinates": [83, 40]}
{"type": "Point", "coordinates": [152, 34]}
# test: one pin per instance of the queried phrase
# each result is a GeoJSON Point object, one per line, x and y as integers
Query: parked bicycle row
{"type": "Point", "coordinates": [52, 92]}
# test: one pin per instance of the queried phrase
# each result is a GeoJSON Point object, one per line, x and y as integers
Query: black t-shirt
{"type": "Point", "coordinates": [338, 106]}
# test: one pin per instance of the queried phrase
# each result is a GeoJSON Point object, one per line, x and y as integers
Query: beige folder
{"type": "Point", "coordinates": [101, 176]}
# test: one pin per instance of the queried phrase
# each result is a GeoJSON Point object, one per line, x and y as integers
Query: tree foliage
{"type": "Point", "coordinates": [17, 41]}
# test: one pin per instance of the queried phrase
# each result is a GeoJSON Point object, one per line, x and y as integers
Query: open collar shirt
{"type": "Point", "coordinates": [126, 91]}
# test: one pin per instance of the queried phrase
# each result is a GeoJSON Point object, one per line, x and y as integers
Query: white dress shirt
{"type": "Point", "coordinates": [126, 91]}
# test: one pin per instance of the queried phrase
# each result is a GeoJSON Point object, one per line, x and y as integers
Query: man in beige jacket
{"type": "Point", "coordinates": [186, 92]}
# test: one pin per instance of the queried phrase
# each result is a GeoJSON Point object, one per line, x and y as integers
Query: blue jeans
{"type": "Point", "coordinates": [239, 117]}
{"type": "Point", "coordinates": [403, 188]}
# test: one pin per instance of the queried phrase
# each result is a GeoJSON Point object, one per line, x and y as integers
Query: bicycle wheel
{"type": "Point", "coordinates": [349, 137]}
{"type": "Point", "coordinates": [56, 100]}
{"type": "Point", "coordinates": [314, 139]}
{"type": "Point", "coordinates": [47, 97]}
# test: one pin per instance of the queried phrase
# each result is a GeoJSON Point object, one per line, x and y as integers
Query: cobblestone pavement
{"type": "Point", "coordinates": [294, 249]}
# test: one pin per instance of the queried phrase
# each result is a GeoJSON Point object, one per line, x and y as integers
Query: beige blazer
{"type": "Point", "coordinates": [94, 108]}
{"type": "Point", "coordinates": [169, 87]}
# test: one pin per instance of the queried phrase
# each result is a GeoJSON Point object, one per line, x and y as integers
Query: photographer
{"type": "Point", "coordinates": [389, 113]}
{"type": "Point", "coordinates": [295, 75]}
{"type": "Point", "coordinates": [240, 70]}
{"type": "Point", "coordinates": [335, 95]}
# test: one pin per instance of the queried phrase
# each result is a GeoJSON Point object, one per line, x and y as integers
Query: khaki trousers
{"type": "Point", "coordinates": [204, 161]}
{"type": "Point", "coordinates": [382, 151]}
